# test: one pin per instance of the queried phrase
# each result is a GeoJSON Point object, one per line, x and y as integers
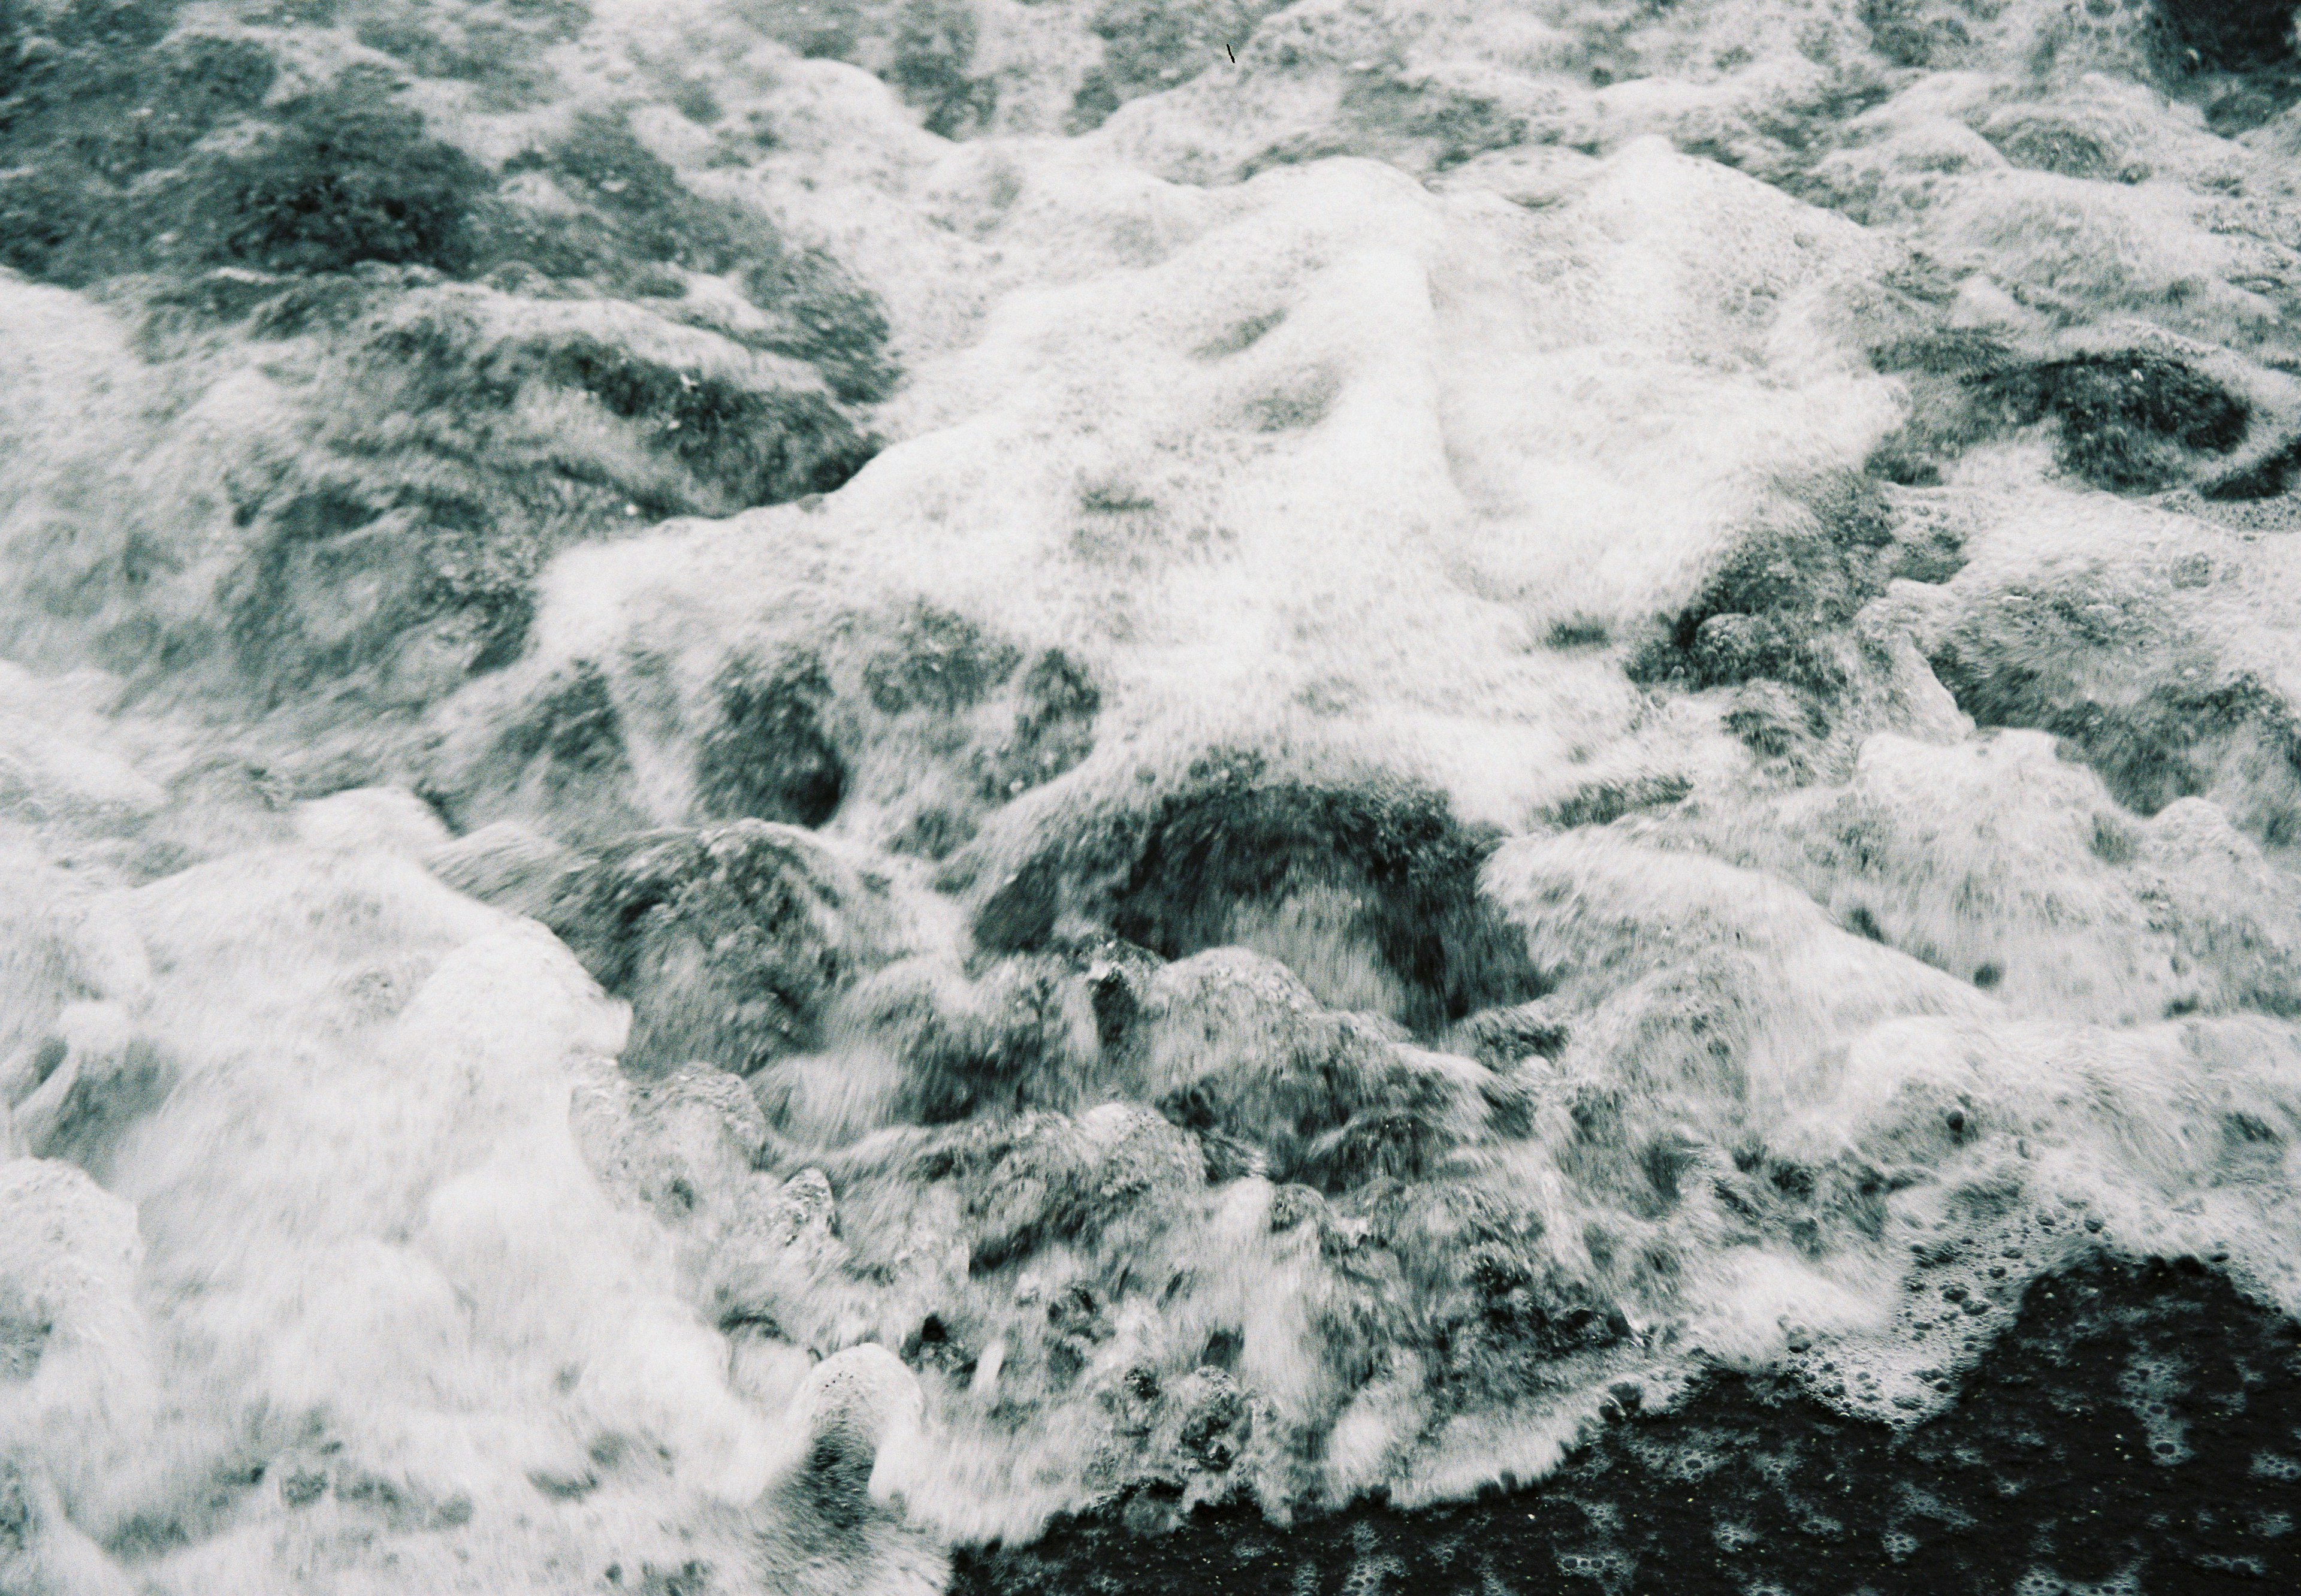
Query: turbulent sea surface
{"type": "Point", "coordinates": [856, 798]}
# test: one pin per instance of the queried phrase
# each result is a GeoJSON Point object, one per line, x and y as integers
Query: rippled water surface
{"type": "Point", "coordinates": [1011, 796]}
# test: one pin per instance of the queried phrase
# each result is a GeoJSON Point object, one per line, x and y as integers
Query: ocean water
{"type": "Point", "coordinates": [1149, 795]}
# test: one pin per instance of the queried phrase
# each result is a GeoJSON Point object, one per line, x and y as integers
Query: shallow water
{"type": "Point", "coordinates": [889, 797]}
{"type": "Point", "coordinates": [2038, 1480]}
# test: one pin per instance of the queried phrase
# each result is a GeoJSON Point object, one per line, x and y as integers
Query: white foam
{"type": "Point", "coordinates": [1312, 464]}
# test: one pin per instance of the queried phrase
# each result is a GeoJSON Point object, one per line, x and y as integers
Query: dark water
{"type": "Point", "coordinates": [1104, 747]}
{"type": "Point", "coordinates": [2137, 1431]}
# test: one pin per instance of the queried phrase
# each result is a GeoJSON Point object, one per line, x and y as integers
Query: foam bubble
{"type": "Point", "coordinates": [1523, 711]}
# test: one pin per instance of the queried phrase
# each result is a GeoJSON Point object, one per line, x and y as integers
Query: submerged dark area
{"type": "Point", "coordinates": [806, 798]}
{"type": "Point", "coordinates": [2138, 1429]}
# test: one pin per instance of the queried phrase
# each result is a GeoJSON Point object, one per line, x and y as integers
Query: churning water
{"type": "Point", "coordinates": [1058, 795]}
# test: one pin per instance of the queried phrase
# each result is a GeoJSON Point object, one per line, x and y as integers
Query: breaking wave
{"type": "Point", "coordinates": [783, 786]}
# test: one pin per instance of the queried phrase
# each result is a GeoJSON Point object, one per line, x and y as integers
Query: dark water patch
{"type": "Point", "coordinates": [334, 573]}
{"type": "Point", "coordinates": [929, 55]}
{"type": "Point", "coordinates": [937, 660]}
{"type": "Point", "coordinates": [634, 207]}
{"type": "Point", "coordinates": [99, 1106]}
{"type": "Point", "coordinates": [107, 166]}
{"type": "Point", "coordinates": [790, 731]}
{"type": "Point", "coordinates": [755, 446]}
{"type": "Point", "coordinates": [1779, 141]}
{"type": "Point", "coordinates": [1601, 803]}
{"type": "Point", "coordinates": [2266, 477]}
{"type": "Point", "coordinates": [2121, 414]}
{"type": "Point", "coordinates": [573, 723]}
{"type": "Point", "coordinates": [2168, 745]}
{"type": "Point", "coordinates": [1501, 1038]}
{"type": "Point", "coordinates": [2139, 1420]}
{"type": "Point", "coordinates": [343, 175]}
{"type": "Point", "coordinates": [1009, 1050]}
{"type": "Point", "coordinates": [827, 317]}
{"type": "Point", "coordinates": [1773, 608]}
{"type": "Point", "coordinates": [348, 176]}
{"type": "Point", "coordinates": [498, 49]}
{"type": "Point", "coordinates": [1242, 337]}
{"type": "Point", "coordinates": [1450, 124]}
{"type": "Point", "coordinates": [2044, 142]}
{"type": "Point", "coordinates": [1339, 1112]}
{"type": "Point", "coordinates": [744, 443]}
{"type": "Point", "coordinates": [203, 1504]}
{"type": "Point", "coordinates": [2226, 36]}
{"type": "Point", "coordinates": [1054, 728]}
{"type": "Point", "coordinates": [1172, 874]}
{"type": "Point", "coordinates": [1579, 632]}
{"type": "Point", "coordinates": [936, 832]}
{"type": "Point", "coordinates": [395, 556]}
{"type": "Point", "coordinates": [128, 147]}
{"type": "Point", "coordinates": [2139, 701]}
{"type": "Point", "coordinates": [1772, 721]}
{"type": "Point", "coordinates": [636, 213]}
{"type": "Point", "coordinates": [730, 942]}
{"type": "Point", "coordinates": [1153, 45]}
{"type": "Point", "coordinates": [925, 50]}
{"type": "Point", "coordinates": [768, 755]}
{"type": "Point", "coordinates": [1945, 351]}
{"type": "Point", "coordinates": [388, 527]}
{"type": "Point", "coordinates": [73, 79]}
{"type": "Point", "coordinates": [2130, 420]}
{"type": "Point", "coordinates": [1297, 404]}
{"type": "Point", "coordinates": [1032, 1180]}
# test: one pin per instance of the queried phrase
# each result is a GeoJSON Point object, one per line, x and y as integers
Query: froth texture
{"type": "Point", "coordinates": [784, 788]}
